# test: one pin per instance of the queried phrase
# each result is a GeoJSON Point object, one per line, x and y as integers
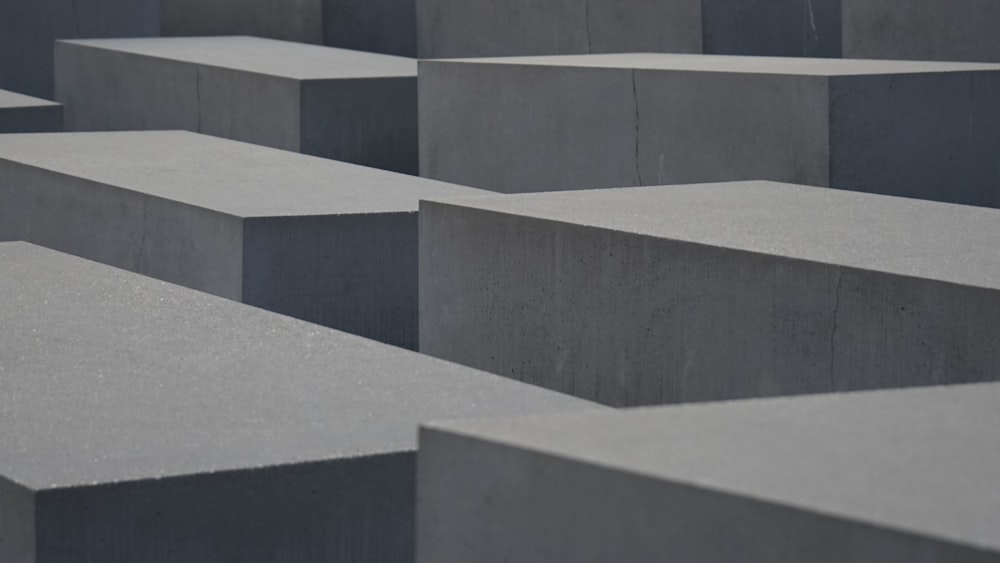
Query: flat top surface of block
{"type": "Point", "coordinates": [736, 64]}
{"type": "Point", "coordinates": [946, 242]}
{"type": "Point", "coordinates": [924, 460]}
{"type": "Point", "coordinates": [264, 56]}
{"type": "Point", "coordinates": [227, 176]}
{"type": "Point", "coordinates": [109, 376]}
{"type": "Point", "coordinates": [10, 99]}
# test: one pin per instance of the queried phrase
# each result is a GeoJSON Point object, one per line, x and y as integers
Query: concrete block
{"type": "Point", "coordinates": [915, 129]}
{"type": "Point", "coordinates": [324, 241]}
{"type": "Point", "coordinates": [148, 422]}
{"type": "Point", "coordinates": [377, 26]}
{"type": "Point", "coordinates": [776, 28]}
{"type": "Point", "coordinates": [944, 30]}
{"type": "Point", "coordinates": [29, 27]}
{"type": "Point", "coordinates": [705, 292]}
{"type": "Point", "coordinates": [25, 114]}
{"type": "Point", "coordinates": [482, 28]}
{"type": "Point", "coordinates": [893, 476]}
{"type": "Point", "coordinates": [345, 105]}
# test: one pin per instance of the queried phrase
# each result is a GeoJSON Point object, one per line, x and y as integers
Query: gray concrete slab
{"type": "Point", "coordinates": [28, 29]}
{"type": "Point", "coordinates": [520, 124]}
{"type": "Point", "coordinates": [345, 105]}
{"type": "Point", "coordinates": [944, 30]}
{"type": "Point", "coordinates": [483, 28]}
{"type": "Point", "coordinates": [26, 114]}
{"type": "Point", "coordinates": [148, 422]}
{"type": "Point", "coordinates": [703, 292]}
{"type": "Point", "coordinates": [955, 30]}
{"type": "Point", "coordinates": [325, 241]}
{"type": "Point", "coordinates": [376, 26]}
{"type": "Point", "coordinates": [896, 476]}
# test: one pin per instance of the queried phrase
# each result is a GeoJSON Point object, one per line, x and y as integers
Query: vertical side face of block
{"type": "Point", "coordinates": [930, 135]}
{"type": "Point", "coordinates": [513, 128]}
{"type": "Point", "coordinates": [182, 244]}
{"type": "Point", "coordinates": [356, 273]}
{"type": "Point", "coordinates": [491, 503]}
{"type": "Point", "coordinates": [31, 119]}
{"type": "Point", "coordinates": [17, 523]}
{"type": "Point", "coordinates": [341, 511]}
{"type": "Point", "coordinates": [619, 319]}
{"type": "Point", "coordinates": [366, 121]}
{"type": "Point", "coordinates": [374, 26]}
{"type": "Point", "coordinates": [104, 90]}
{"type": "Point", "coordinates": [779, 28]}
{"type": "Point", "coordinates": [290, 20]}
{"type": "Point", "coordinates": [625, 319]}
{"type": "Point", "coordinates": [27, 31]}
{"type": "Point", "coordinates": [254, 108]}
{"type": "Point", "coordinates": [942, 30]}
{"type": "Point", "coordinates": [713, 126]}
{"type": "Point", "coordinates": [894, 331]}
{"type": "Point", "coordinates": [482, 28]}
{"type": "Point", "coordinates": [644, 26]}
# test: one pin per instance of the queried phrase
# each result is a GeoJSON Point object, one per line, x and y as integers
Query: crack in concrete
{"type": "Point", "coordinates": [635, 102]}
{"type": "Point", "coordinates": [834, 328]}
{"type": "Point", "coordinates": [586, 16]}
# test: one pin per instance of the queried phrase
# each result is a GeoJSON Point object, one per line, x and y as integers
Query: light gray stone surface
{"type": "Point", "coordinates": [714, 291]}
{"type": "Point", "coordinates": [956, 30]}
{"type": "Point", "coordinates": [25, 114]}
{"type": "Point", "coordinates": [29, 27]}
{"type": "Point", "coordinates": [520, 124]}
{"type": "Point", "coordinates": [377, 26]}
{"type": "Point", "coordinates": [148, 422]}
{"type": "Point", "coordinates": [324, 241]}
{"type": "Point", "coordinates": [894, 476]}
{"type": "Point", "coordinates": [346, 105]}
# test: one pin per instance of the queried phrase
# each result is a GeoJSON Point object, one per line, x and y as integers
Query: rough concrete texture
{"type": "Point", "coordinates": [944, 30]}
{"type": "Point", "coordinates": [325, 241]}
{"type": "Point", "coordinates": [522, 124]}
{"type": "Point", "coordinates": [29, 27]}
{"type": "Point", "coordinates": [346, 105]}
{"type": "Point", "coordinates": [288, 20]}
{"type": "Point", "coordinates": [376, 26]}
{"type": "Point", "coordinates": [25, 114]}
{"type": "Point", "coordinates": [779, 28]}
{"type": "Point", "coordinates": [483, 28]}
{"type": "Point", "coordinates": [956, 30]}
{"type": "Point", "coordinates": [148, 422]}
{"type": "Point", "coordinates": [894, 476]}
{"type": "Point", "coordinates": [714, 291]}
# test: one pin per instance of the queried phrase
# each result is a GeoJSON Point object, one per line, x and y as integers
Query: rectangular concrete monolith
{"type": "Point", "coordinates": [144, 421]}
{"type": "Point", "coordinates": [324, 241]}
{"type": "Point", "coordinates": [702, 292]}
{"type": "Point", "coordinates": [345, 105]}
{"type": "Point", "coordinates": [522, 124]}
{"type": "Point", "coordinates": [893, 476]}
